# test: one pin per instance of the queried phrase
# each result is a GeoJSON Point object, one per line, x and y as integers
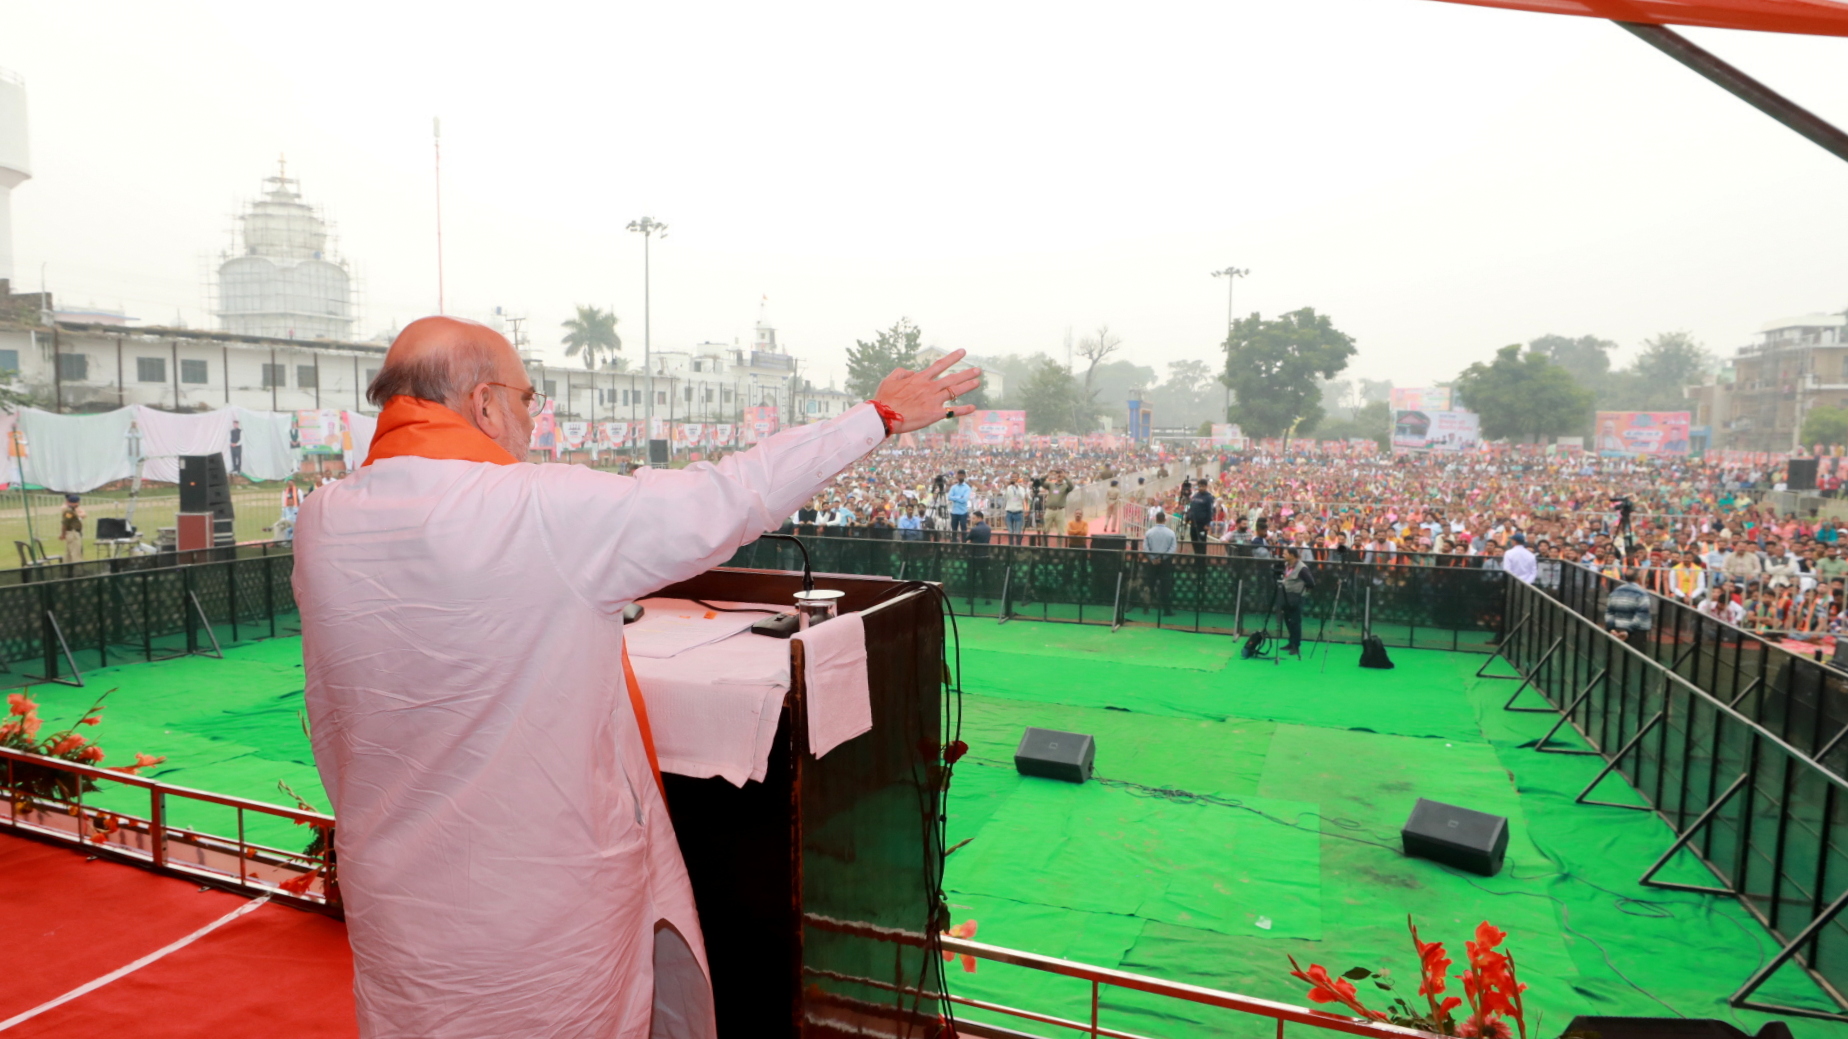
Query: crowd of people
{"type": "Point", "coordinates": [1699, 533]}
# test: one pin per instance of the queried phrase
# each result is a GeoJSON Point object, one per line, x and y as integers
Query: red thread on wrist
{"type": "Point", "coordinates": [887, 416]}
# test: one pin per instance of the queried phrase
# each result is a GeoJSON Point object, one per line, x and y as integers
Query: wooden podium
{"type": "Point", "coordinates": [817, 887]}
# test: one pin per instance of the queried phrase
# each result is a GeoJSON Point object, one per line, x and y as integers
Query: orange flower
{"type": "Point", "coordinates": [966, 929]}
{"type": "Point", "coordinates": [17, 703]}
{"type": "Point", "coordinates": [91, 754]}
{"type": "Point", "coordinates": [93, 719]}
{"type": "Point", "coordinates": [66, 745]}
{"type": "Point", "coordinates": [141, 761]}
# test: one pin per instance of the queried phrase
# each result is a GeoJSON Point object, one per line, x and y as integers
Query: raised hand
{"type": "Point", "coordinates": [921, 398]}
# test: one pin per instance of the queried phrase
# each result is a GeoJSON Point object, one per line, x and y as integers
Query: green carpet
{"type": "Point", "coordinates": [1247, 811]}
{"type": "Point", "coordinates": [1244, 811]}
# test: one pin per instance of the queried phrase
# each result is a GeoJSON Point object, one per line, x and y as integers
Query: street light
{"type": "Point", "coordinates": [648, 227]}
{"type": "Point", "coordinates": [1231, 275]}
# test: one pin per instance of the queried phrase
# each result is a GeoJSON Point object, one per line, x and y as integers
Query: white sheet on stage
{"type": "Point", "coordinates": [72, 454]}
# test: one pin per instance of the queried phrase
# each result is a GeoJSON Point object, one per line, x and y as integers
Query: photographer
{"type": "Point", "coordinates": [1297, 581]}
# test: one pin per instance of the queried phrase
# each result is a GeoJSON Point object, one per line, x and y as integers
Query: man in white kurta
{"type": "Point", "coordinates": [505, 856]}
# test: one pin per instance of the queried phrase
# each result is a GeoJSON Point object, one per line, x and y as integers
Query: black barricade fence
{"type": "Point", "coordinates": [128, 563]}
{"type": "Point", "coordinates": [1434, 607]}
{"type": "Point", "coordinates": [1761, 814]}
{"type": "Point", "coordinates": [142, 614]}
{"type": "Point", "coordinates": [1800, 699]}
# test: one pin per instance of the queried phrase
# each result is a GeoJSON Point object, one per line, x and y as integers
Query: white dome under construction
{"type": "Point", "coordinates": [284, 279]}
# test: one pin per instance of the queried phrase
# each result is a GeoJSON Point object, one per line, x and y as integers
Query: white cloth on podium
{"type": "Point", "coordinates": [834, 682]}
{"type": "Point", "coordinates": [714, 706]}
{"type": "Point", "coordinates": [505, 855]}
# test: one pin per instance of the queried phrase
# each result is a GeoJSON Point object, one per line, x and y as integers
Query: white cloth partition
{"type": "Point", "coordinates": [359, 434]}
{"type": "Point", "coordinates": [72, 454]}
{"type": "Point", "coordinates": [267, 455]}
{"type": "Point", "coordinates": [165, 436]}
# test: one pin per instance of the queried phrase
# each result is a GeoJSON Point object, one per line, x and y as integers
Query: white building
{"type": "Point", "coordinates": [283, 280]}
{"type": "Point", "coordinates": [15, 161]}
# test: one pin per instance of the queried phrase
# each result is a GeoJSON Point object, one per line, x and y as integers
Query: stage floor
{"type": "Point", "coordinates": [1244, 811]}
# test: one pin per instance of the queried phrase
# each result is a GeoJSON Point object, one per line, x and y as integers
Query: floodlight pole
{"type": "Point", "coordinates": [648, 227]}
{"type": "Point", "coordinates": [1742, 86]}
{"type": "Point", "coordinates": [1231, 275]}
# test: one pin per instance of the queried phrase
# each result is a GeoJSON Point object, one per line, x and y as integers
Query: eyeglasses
{"type": "Point", "coordinates": [534, 400]}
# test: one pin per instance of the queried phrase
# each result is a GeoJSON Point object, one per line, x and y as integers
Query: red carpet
{"type": "Point", "coordinates": [275, 971]}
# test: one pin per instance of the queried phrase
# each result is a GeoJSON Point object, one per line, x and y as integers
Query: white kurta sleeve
{"type": "Point", "coordinates": [617, 538]}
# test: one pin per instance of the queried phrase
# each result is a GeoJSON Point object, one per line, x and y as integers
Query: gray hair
{"type": "Point", "coordinates": [444, 378]}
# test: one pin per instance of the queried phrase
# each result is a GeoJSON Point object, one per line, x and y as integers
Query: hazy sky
{"type": "Point", "coordinates": [1441, 179]}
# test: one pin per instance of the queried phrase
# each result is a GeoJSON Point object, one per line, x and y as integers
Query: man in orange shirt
{"type": "Point", "coordinates": [1077, 531]}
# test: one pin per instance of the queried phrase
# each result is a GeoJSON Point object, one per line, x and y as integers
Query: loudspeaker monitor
{"type": "Point", "coordinates": [657, 452]}
{"type": "Point", "coordinates": [1800, 474]}
{"type": "Point", "coordinates": [1052, 754]}
{"type": "Point", "coordinates": [1456, 836]}
{"type": "Point", "coordinates": [204, 487]}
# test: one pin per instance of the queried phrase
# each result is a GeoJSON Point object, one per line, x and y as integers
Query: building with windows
{"type": "Point", "coordinates": [1797, 364]}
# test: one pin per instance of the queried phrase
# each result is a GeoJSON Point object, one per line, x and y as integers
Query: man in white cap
{"type": "Point", "coordinates": [506, 859]}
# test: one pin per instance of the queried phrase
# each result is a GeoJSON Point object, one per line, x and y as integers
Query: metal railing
{"type": "Point", "coordinates": [1800, 699]}
{"type": "Point", "coordinates": [1759, 813]}
{"type": "Point", "coordinates": [1429, 607]}
{"type": "Point", "coordinates": [1098, 978]}
{"type": "Point", "coordinates": [151, 840]}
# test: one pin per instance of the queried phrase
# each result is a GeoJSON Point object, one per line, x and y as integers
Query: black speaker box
{"type": "Point", "coordinates": [1460, 837]}
{"type": "Point", "coordinates": [108, 528]}
{"type": "Point", "coordinates": [1052, 754]}
{"type": "Point", "coordinates": [1841, 654]}
{"type": "Point", "coordinates": [657, 452]}
{"type": "Point", "coordinates": [204, 487]}
{"type": "Point", "coordinates": [1800, 474]}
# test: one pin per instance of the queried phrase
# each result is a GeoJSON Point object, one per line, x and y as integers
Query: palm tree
{"type": "Point", "coordinates": [592, 333]}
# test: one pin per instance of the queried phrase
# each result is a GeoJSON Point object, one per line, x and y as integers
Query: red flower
{"type": "Point", "coordinates": [141, 761]}
{"type": "Point", "coordinates": [966, 929]}
{"type": "Point", "coordinates": [1324, 989]}
{"type": "Point", "coordinates": [66, 745]}
{"type": "Point", "coordinates": [93, 719]}
{"type": "Point", "coordinates": [91, 754]}
{"type": "Point", "coordinates": [17, 703]}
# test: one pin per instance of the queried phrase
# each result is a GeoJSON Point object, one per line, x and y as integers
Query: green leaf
{"type": "Point", "coordinates": [1357, 973]}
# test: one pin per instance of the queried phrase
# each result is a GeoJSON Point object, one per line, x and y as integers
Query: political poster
{"type": "Point", "coordinates": [1413, 398]}
{"type": "Point", "coordinates": [1416, 430]}
{"type": "Point", "coordinates": [991, 427]}
{"type": "Point", "coordinates": [572, 436]}
{"type": "Point", "coordinates": [1226, 434]}
{"type": "Point", "coordinates": [759, 422]}
{"type": "Point", "coordinates": [657, 429]}
{"type": "Point", "coordinates": [1653, 433]}
{"type": "Point", "coordinates": [545, 430]}
{"type": "Point", "coordinates": [318, 432]}
{"type": "Point", "coordinates": [722, 434]}
{"type": "Point", "coordinates": [689, 434]}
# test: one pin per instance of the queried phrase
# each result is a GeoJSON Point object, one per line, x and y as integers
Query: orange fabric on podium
{"type": "Point", "coordinates": [1801, 17]}
{"type": "Point", "coordinates": [411, 426]}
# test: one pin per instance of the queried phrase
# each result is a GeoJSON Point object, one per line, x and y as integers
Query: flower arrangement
{"type": "Point", "coordinates": [1490, 987]}
{"type": "Point", "coordinates": [20, 731]}
{"type": "Point", "coordinates": [966, 929]}
{"type": "Point", "coordinates": [320, 847]}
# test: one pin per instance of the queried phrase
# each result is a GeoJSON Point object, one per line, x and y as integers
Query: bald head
{"type": "Point", "coordinates": [443, 359]}
{"type": "Point", "coordinates": [470, 369]}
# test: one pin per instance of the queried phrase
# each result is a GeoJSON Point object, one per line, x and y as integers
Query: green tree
{"type": "Point", "coordinates": [1054, 400]}
{"type": "Point", "coordinates": [592, 335]}
{"type": "Point", "coordinates": [1272, 368]}
{"type": "Point", "coordinates": [1524, 396]}
{"type": "Point", "coordinates": [1372, 420]}
{"type": "Point", "coordinates": [1587, 358]}
{"type": "Point", "coordinates": [869, 363]}
{"type": "Point", "coordinates": [1825, 425]}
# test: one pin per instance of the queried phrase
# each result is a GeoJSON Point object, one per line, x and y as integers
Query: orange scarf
{"type": "Point", "coordinates": [425, 429]}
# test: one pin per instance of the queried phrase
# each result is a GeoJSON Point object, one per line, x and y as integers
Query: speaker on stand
{"type": "Point", "coordinates": [206, 488]}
